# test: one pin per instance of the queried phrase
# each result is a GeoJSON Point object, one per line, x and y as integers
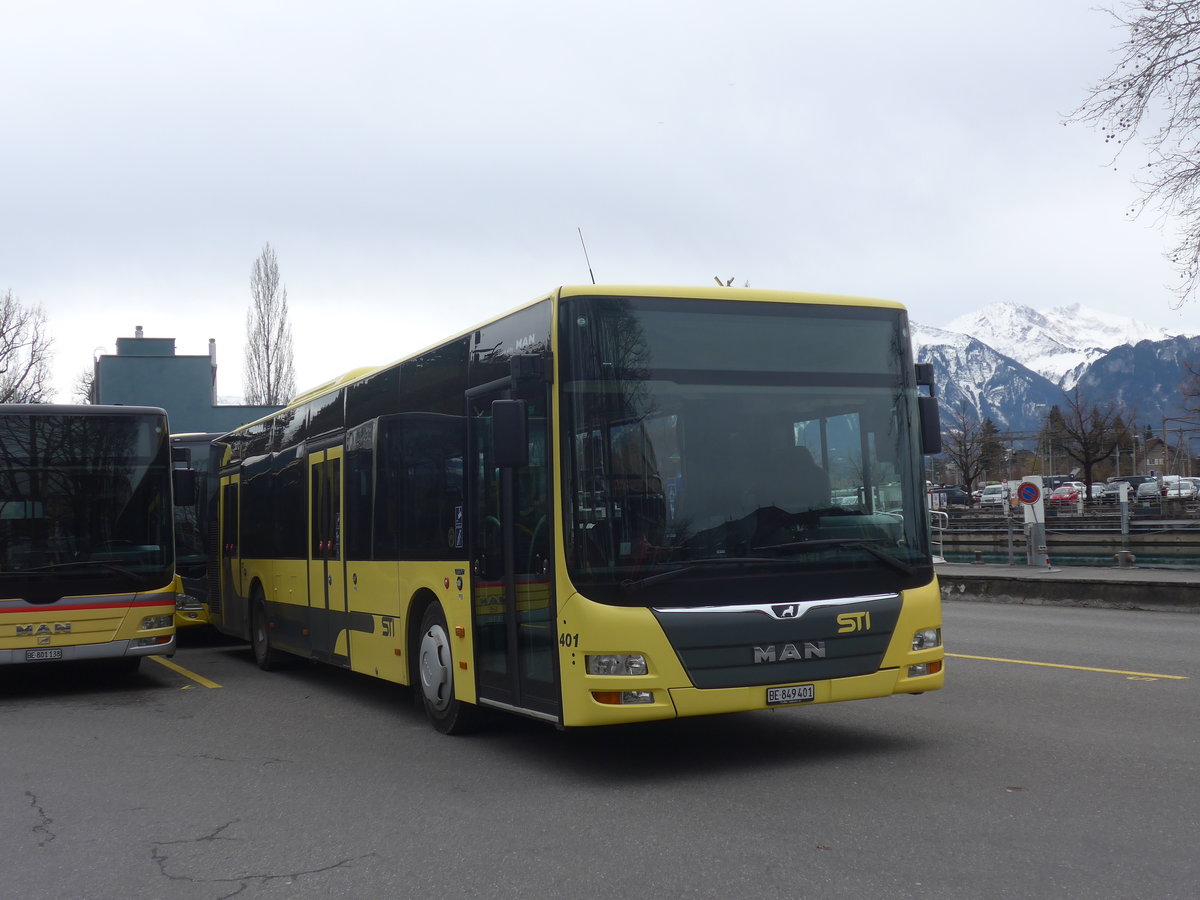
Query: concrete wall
{"type": "Point", "coordinates": [1137, 590]}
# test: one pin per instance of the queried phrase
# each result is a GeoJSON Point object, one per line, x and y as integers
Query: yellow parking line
{"type": "Point", "coordinates": [1026, 662]}
{"type": "Point", "coordinates": [186, 673]}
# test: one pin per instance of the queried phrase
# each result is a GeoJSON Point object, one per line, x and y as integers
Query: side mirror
{"type": "Point", "coordinates": [183, 482]}
{"type": "Point", "coordinates": [510, 433]}
{"type": "Point", "coordinates": [931, 425]}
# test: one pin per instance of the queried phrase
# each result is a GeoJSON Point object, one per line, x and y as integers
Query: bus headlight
{"type": "Point", "coordinates": [150, 641]}
{"type": "Point", "coordinates": [151, 622]}
{"type": "Point", "coordinates": [617, 664]}
{"type": "Point", "coordinates": [923, 669]}
{"type": "Point", "coordinates": [187, 601]}
{"type": "Point", "coordinates": [620, 698]}
{"type": "Point", "coordinates": [927, 638]}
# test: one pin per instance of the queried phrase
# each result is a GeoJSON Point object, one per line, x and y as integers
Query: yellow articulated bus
{"type": "Point", "coordinates": [615, 504]}
{"type": "Point", "coordinates": [87, 561]}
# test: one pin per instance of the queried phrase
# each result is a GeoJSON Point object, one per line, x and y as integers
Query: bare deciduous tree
{"type": "Point", "coordinates": [269, 370]}
{"type": "Point", "coordinates": [1089, 433]}
{"type": "Point", "coordinates": [1156, 84]}
{"type": "Point", "coordinates": [24, 352]}
{"type": "Point", "coordinates": [1189, 388]}
{"type": "Point", "coordinates": [85, 384]}
{"type": "Point", "coordinates": [964, 443]}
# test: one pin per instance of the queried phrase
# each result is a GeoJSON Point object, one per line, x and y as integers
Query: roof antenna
{"type": "Point", "coordinates": [585, 255]}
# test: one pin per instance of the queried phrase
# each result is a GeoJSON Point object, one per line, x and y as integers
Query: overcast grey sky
{"type": "Point", "coordinates": [421, 167]}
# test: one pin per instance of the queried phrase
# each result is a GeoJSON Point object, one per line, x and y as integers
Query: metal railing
{"type": "Point", "coordinates": [939, 522]}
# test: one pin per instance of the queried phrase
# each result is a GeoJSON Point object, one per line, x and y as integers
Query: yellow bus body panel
{"type": "Point", "coordinates": [186, 618]}
{"type": "Point", "coordinates": [97, 626]}
{"type": "Point", "coordinates": [922, 609]}
{"type": "Point", "coordinates": [456, 605]}
{"type": "Point", "coordinates": [386, 592]}
{"type": "Point", "coordinates": [373, 589]}
{"type": "Point", "coordinates": [383, 591]}
{"type": "Point", "coordinates": [288, 581]}
{"type": "Point", "coordinates": [591, 628]}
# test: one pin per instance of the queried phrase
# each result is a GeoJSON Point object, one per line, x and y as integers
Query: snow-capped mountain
{"type": "Point", "coordinates": [1145, 378]}
{"type": "Point", "coordinates": [1011, 363]}
{"type": "Point", "coordinates": [988, 384]}
{"type": "Point", "coordinates": [1059, 344]}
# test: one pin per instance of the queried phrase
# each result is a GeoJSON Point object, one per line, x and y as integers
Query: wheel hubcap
{"type": "Point", "coordinates": [434, 663]}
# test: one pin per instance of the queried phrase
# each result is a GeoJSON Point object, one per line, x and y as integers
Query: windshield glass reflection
{"type": "Point", "coordinates": [715, 441]}
{"type": "Point", "coordinates": [85, 504]}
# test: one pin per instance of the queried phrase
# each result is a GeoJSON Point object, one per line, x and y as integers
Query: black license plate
{"type": "Point", "coordinates": [49, 653]}
{"type": "Point", "coordinates": [795, 693]}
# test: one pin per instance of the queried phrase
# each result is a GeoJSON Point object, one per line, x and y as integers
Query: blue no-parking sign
{"type": "Point", "coordinates": [1028, 492]}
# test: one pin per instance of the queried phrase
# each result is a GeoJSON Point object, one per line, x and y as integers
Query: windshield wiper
{"type": "Point", "coordinates": [80, 563]}
{"type": "Point", "coordinates": [870, 546]}
{"type": "Point", "coordinates": [630, 585]}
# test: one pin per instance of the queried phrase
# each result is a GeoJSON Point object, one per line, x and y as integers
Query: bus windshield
{"type": "Point", "coordinates": [85, 505]}
{"type": "Point", "coordinates": [717, 450]}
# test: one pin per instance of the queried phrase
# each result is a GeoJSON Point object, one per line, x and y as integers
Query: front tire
{"type": "Point", "coordinates": [435, 677]}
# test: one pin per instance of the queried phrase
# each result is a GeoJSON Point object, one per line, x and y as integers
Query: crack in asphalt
{"type": "Point", "coordinates": [264, 761]}
{"type": "Point", "coordinates": [43, 826]}
{"type": "Point", "coordinates": [214, 835]}
{"type": "Point", "coordinates": [243, 881]}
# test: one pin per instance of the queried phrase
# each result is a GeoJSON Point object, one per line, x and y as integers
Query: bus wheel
{"type": "Point", "coordinates": [435, 669]}
{"type": "Point", "coordinates": [265, 655]}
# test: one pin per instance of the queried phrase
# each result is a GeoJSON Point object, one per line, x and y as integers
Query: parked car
{"type": "Point", "coordinates": [1112, 489]}
{"type": "Point", "coordinates": [1149, 490]}
{"type": "Point", "coordinates": [994, 495]}
{"type": "Point", "coordinates": [1068, 493]}
{"type": "Point", "coordinates": [1183, 489]}
{"type": "Point", "coordinates": [1050, 482]}
{"type": "Point", "coordinates": [949, 496]}
{"type": "Point", "coordinates": [1097, 489]}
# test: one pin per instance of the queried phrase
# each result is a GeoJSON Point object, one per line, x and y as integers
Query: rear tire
{"type": "Point", "coordinates": [265, 655]}
{"type": "Point", "coordinates": [435, 677]}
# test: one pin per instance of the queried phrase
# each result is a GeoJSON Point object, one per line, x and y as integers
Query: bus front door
{"type": "Point", "coordinates": [234, 613]}
{"type": "Point", "coordinates": [511, 588]}
{"type": "Point", "coordinates": [326, 569]}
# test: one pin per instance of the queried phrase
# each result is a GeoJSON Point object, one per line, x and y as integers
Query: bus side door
{"type": "Point", "coordinates": [234, 612]}
{"type": "Point", "coordinates": [511, 587]}
{"type": "Point", "coordinates": [326, 567]}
